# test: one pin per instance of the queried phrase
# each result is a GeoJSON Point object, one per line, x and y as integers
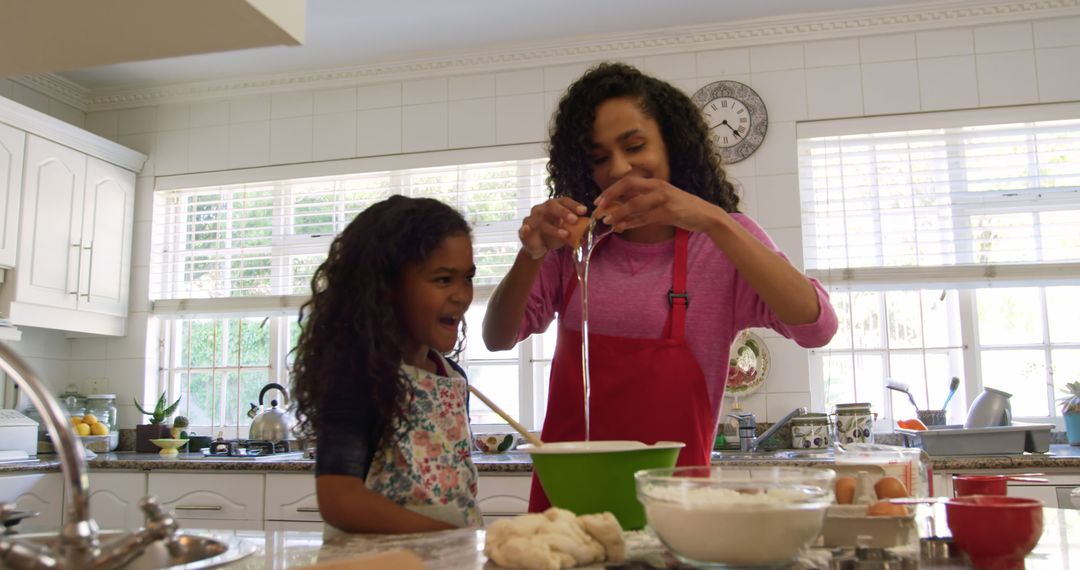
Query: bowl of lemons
{"type": "Point", "coordinates": [95, 434]}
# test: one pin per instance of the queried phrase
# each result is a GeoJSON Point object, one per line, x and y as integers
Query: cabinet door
{"type": "Point", "coordinates": [39, 492]}
{"type": "Point", "coordinates": [105, 265]}
{"type": "Point", "coordinates": [49, 241]}
{"type": "Point", "coordinates": [114, 499]}
{"type": "Point", "coordinates": [12, 147]}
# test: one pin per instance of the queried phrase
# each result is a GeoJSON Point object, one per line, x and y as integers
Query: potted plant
{"type": "Point", "coordinates": [157, 428]}
{"type": "Point", "coordinates": [1070, 408]}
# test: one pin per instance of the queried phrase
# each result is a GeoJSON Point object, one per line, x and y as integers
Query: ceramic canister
{"type": "Point", "coordinates": [854, 423]}
{"type": "Point", "coordinates": [810, 431]}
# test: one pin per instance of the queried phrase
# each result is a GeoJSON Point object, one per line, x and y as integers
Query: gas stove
{"type": "Point", "coordinates": [247, 449]}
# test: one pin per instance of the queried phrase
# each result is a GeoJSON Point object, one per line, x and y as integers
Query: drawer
{"type": "Point", "coordinates": [503, 495]}
{"type": "Point", "coordinates": [213, 496]}
{"type": "Point", "coordinates": [291, 498]}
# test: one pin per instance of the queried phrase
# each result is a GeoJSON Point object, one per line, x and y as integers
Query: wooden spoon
{"type": "Point", "coordinates": [513, 423]}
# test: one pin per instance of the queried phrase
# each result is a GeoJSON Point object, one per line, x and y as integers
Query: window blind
{"type": "Point", "coordinates": [957, 206]}
{"type": "Point", "coordinates": [254, 245]}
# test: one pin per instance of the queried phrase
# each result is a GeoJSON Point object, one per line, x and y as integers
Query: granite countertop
{"type": "Point", "coordinates": [1061, 456]}
{"type": "Point", "coordinates": [463, 549]}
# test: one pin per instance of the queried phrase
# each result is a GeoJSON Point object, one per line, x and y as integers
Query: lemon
{"type": "Point", "coordinates": [90, 419]}
{"type": "Point", "coordinates": [82, 429]}
{"type": "Point", "coordinates": [76, 420]}
{"type": "Point", "coordinates": [99, 429]}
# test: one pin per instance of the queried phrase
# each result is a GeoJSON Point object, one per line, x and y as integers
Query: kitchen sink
{"type": "Point", "coordinates": [783, 454]}
{"type": "Point", "coordinates": [199, 551]}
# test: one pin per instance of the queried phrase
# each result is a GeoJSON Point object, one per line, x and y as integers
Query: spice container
{"type": "Point", "coordinates": [810, 431]}
{"type": "Point", "coordinates": [854, 423]}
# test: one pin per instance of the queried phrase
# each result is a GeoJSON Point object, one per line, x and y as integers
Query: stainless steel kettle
{"type": "Point", "coordinates": [272, 424]}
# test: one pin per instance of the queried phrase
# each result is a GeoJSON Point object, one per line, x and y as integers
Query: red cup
{"type": "Point", "coordinates": [965, 485]}
{"type": "Point", "coordinates": [995, 532]}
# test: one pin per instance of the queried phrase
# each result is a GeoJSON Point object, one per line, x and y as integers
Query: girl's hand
{"type": "Point", "coordinates": [633, 202]}
{"type": "Point", "coordinates": [546, 226]}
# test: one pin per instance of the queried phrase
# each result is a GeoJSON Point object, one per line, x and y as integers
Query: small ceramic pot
{"type": "Point", "coordinates": [495, 442]}
{"type": "Point", "coordinates": [965, 485]}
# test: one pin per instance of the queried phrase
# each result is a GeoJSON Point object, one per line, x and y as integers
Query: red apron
{"type": "Point", "coordinates": [643, 389]}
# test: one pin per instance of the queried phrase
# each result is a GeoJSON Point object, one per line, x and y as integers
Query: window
{"type": "Point", "coordinates": [232, 264]}
{"type": "Point", "coordinates": [949, 247]}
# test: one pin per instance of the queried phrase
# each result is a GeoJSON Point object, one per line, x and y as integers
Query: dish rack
{"type": "Point", "coordinates": [999, 440]}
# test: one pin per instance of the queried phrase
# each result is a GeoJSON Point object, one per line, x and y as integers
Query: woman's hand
{"type": "Point", "coordinates": [546, 226]}
{"type": "Point", "coordinates": [633, 202]}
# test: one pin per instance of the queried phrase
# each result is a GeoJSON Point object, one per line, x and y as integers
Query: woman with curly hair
{"type": "Point", "coordinates": [684, 273]}
{"type": "Point", "coordinates": [370, 378]}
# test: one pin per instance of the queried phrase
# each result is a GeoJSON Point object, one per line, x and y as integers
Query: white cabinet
{"type": "Point", "coordinates": [12, 148]}
{"type": "Point", "coordinates": [291, 503]}
{"type": "Point", "coordinates": [220, 500]}
{"type": "Point", "coordinates": [67, 197]}
{"type": "Point", "coordinates": [114, 499]}
{"type": "Point", "coordinates": [75, 243]}
{"type": "Point", "coordinates": [500, 496]}
{"type": "Point", "coordinates": [39, 492]}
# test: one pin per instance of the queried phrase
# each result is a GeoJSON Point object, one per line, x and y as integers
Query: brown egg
{"type": "Point", "coordinates": [890, 488]}
{"type": "Point", "coordinates": [886, 509]}
{"type": "Point", "coordinates": [577, 229]}
{"type": "Point", "coordinates": [845, 490]}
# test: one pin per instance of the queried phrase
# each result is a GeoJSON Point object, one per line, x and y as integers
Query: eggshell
{"type": "Point", "coordinates": [890, 488]}
{"type": "Point", "coordinates": [886, 509]}
{"type": "Point", "coordinates": [845, 490]}
{"type": "Point", "coordinates": [577, 229]}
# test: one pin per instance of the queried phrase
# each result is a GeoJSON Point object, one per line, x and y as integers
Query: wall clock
{"type": "Point", "coordinates": [736, 117]}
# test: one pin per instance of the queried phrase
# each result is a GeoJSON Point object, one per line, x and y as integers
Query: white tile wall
{"type": "Point", "coordinates": [834, 92]}
{"type": "Point", "coordinates": [929, 70]}
{"type": "Point", "coordinates": [249, 144]}
{"type": "Point", "coordinates": [378, 131]}
{"type": "Point", "coordinates": [1007, 78]}
{"type": "Point", "coordinates": [472, 122]}
{"type": "Point", "coordinates": [831, 52]}
{"type": "Point", "coordinates": [333, 101]}
{"type": "Point", "coordinates": [472, 86]}
{"type": "Point", "coordinates": [519, 82]}
{"type": "Point", "coordinates": [897, 47]}
{"type": "Point", "coordinates": [890, 87]}
{"type": "Point", "coordinates": [334, 135]}
{"type": "Point", "coordinates": [424, 127]}
{"type": "Point", "coordinates": [1059, 73]}
{"type": "Point", "coordinates": [948, 83]}
{"type": "Point", "coordinates": [1003, 37]}
{"type": "Point", "coordinates": [290, 140]}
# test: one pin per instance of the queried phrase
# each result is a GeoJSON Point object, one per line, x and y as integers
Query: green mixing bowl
{"type": "Point", "coordinates": [595, 476]}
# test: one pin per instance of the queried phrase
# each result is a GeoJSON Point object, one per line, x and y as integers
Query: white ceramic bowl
{"type": "Point", "coordinates": [716, 517]}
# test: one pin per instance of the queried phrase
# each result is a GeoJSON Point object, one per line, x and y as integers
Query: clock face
{"type": "Point", "coordinates": [736, 118]}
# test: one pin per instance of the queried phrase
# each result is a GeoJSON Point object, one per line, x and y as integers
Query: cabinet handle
{"type": "Point", "coordinates": [89, 270]}
{"type": "Point", "coordinates": [198, 507]}
{"type": "Point", "coordinates": [77, 246]}
{"type": "Point", "coordinates": [307, 509]}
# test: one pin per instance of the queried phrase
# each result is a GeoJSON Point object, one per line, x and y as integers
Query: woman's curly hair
{"type": "Point", "coordinates": [348, 358]}
{"type": "Point", "coordinates": [694, 162]}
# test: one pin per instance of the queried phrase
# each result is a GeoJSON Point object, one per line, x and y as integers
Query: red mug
{"type": "Point", "coordinates": [964, 485]}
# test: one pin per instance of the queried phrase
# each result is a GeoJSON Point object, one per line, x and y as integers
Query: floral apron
{"type": "Point", "coordinates": [427, 467]}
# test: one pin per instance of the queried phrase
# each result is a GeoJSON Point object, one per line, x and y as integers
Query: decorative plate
{"type": "Point", "coordinates": [748, 365]}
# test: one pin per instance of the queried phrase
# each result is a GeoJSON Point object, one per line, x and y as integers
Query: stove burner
{"type": "Point", "coordinates": [246, 448]}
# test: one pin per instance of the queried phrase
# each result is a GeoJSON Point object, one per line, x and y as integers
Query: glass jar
{"type": "Point", "coordinates": [102, 407]}
{"type": "Point", "coordinates": [854, 423]}
{"type": "Point", "coordinates": [810, 431]}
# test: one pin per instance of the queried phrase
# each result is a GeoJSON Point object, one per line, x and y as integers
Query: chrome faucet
{"type": "Point", "coordinates": [78, 544]}
{"type": "Point", "coordinates": [748, 440]}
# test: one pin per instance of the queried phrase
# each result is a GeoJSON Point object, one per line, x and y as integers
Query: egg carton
{"type": "Point", "coordinates": [849, 525]}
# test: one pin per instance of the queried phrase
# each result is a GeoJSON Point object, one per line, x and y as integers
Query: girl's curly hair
{"type": "Point", "coordinates": [348, 358]}
{"type": "Point", "coordinates": [694, 162]}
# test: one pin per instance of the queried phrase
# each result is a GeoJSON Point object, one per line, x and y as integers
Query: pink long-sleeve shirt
{"type": "Point", "coordinates": [628, 285]}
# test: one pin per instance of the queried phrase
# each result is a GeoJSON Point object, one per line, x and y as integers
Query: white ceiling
{"type": "Point", "coordinates": [343, 33]}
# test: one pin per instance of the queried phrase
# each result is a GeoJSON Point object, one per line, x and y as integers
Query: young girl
{"type": "Point", "coordinates": [371, 380]}
{"type": "Point", "coordinates": [683, 275]}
